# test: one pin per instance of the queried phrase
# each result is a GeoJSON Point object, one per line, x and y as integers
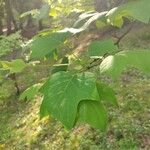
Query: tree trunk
{"type": "Point", "coordinates": [100, 5]}
{"type": "Point", "coordinates": [19, 7]}
{"type": "Point", "coordinates": [1, 17]}
{"type": "Point", "coordinates": [1, 27]}
{"type": "Point", "coordinates": [14, 23]}
{"type": "Point", "coordinates": [10, 17]}
{"type": "Point", "coordinates": [40, 25]}
{"type": "Point", "coordinates": [21, 10]}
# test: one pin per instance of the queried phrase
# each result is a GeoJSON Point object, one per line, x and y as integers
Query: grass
{"type": "Point", "coordinates": [129, 125]}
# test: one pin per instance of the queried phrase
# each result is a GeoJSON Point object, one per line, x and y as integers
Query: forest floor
{"type": "Point", "coordinates": [129, 125]}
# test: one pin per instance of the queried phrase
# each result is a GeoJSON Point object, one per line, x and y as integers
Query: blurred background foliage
{"type": "Point", "coordinates": [61, 11]}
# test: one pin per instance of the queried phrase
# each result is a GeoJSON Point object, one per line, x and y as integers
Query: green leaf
{"type": "Point", "coordinates": [53, 12]}
{"type": "Point", "coordinates": [86, 19]}
{"type": "Point", "coordinates": [93, 113]}
{"type": "Point", "coordinates": [100, 48]}
{"type": "Point", "coordinates": [114, 65]}
{"type": "Point", "coordinates": [83, 18]}
{"type": "Point", "coordinates": [15, 66]}
{"type": "Point", "coordinates": [33, 13]}
{"type": "Point", "coordinates": [106, 93]}
{"type": "Point", "coordinates": [38, 14]}
{"type": "Point", "coordinates": [101, 23]}
{"type": "Point", "coordinates": [47, 44]}
{"type": "Point", "coordinates": [61, 67]}
{"type": "Point", "coordinates": [139, 9]}
{"type": "Point", "coordinates": [93, 19]}
{"type": "Point", "coordinates": [30, 93]}
{"type": "Point", "coordinates": [63, 92]}
{"type": "Point", "coordinates": [44, 110]}
{"type": "Point", "coordinates": [43, 12]}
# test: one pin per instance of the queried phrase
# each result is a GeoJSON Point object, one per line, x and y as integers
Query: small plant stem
{"type": "Point", "coordinates": [13, 77]}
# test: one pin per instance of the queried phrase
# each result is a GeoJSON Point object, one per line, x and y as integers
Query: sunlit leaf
{"type": "Point", "coordinates": [93, 19]}
{"type": "Point", "coordinates": [72, 30]}
{"type": "Point", "coordinates": [53, 12]}
{"type": "Point", "coordinates": [139, 9]}
{"type": "Point", "coordinates": [114, 65]}
{"type": "Point", "coordinates": [83, 18]}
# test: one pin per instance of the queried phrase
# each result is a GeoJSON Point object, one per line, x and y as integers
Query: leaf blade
{"type": "Point", "coordinates": [64, 91]}
{"type": "Point", "coordinates": [93, 113]}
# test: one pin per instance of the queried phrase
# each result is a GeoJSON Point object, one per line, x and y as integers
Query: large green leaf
{"type": "Point", "coordinates": [47, 44]}
{"type": "Point", "coordinates": [93, 113]}
{"type": "Point", "coordinates": [106, 93]}
{"type": "Point", "coordinates": [138, 9]}
{"type": "Point", "coordinates": [99, 48]}
{"type": "Point", "coordinates": [63, 92]}
{"type": "Point", "coordinates": [114, 65]}
{"type": "Point", "coordinates": [30, 92]}
{"type": "Point", "coordinates": [15, 66]}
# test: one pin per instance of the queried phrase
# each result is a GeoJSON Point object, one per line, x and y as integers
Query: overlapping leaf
{"type": "Point", "coordinates": [93, 19]}
{"type": "Point", "coordinates": [64, 91]}
{"type": "Point", "coordinates": [114, 65]}
{"type": "Point", "coordinates": [73, 98]}
{"type": "Point", "coordinates": [30, 93]}
{"type": "Point", "coordinates": [61, 67]}
{"type": "Point", "coordinates": [106, 93]}
{"type": "Point", "coordinates": [92, 113]}
{"type": "Point", "coordinates": [139, 10]}
{"type": "Point", "coordinates": [47, 44]}
{"type": "Point", "coordinates": [99, 48]}
{"type": "Point", "coordinates": [83, 18]}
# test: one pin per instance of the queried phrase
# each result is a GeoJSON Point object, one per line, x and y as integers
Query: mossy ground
{"type": "Point", "coordinates": [129, 124]}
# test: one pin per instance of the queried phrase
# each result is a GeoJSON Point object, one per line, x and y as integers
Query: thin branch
{"type": "Point", "coordinates": [121, 37]}
{"type": "Point", "coordinates": [13, 77]}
